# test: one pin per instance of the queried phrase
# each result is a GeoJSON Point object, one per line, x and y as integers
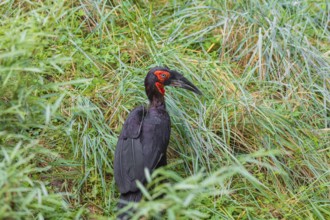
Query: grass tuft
{"type": "Point", "coordinates": [255, 146]}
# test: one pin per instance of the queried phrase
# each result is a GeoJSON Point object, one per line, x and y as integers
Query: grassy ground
{"type": "Point", "coordinates": [255, 146]}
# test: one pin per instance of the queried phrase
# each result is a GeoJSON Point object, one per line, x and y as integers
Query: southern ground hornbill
{"type": "Point", "coordinates": [145, 135]}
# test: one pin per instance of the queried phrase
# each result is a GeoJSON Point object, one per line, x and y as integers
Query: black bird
{"type": "Point", "coordinates": [145, 135]}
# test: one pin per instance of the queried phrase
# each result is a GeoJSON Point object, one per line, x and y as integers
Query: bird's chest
{"type": "Point", "coordinates": [156, 129]}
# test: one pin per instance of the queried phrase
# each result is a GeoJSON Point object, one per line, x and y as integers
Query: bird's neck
{"type": "Point", "coordinates": [157, 102]}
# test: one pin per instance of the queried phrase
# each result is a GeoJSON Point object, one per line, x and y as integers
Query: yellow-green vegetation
{"type": "Point", "coordinates": [255, 146]}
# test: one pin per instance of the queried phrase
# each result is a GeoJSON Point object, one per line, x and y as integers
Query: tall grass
{"type": "Point", "coordinates": [255, 146]}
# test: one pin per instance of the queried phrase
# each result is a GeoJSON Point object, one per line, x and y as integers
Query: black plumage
{"type": "Point", "coordinates": [145, 135]}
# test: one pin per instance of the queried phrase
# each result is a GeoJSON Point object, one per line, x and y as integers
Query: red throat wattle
{"type": "Point", "coordinates": [160, 88]}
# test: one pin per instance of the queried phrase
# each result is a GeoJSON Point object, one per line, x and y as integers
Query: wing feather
{"type": "Point", "coordinates": [129, 153]}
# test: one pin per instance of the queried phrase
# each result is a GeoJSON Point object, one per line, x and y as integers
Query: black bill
{"type": "Point", "coordinates": [178, 80]}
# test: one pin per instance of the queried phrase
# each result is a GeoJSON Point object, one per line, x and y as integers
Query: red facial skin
{"type": "Point", "coordinates": [160, 88]}
{"type": "Point", "coordinates": [162, 76]}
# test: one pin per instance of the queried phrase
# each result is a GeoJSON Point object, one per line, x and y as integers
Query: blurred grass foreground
{"type": "Point", "coordinates": [255, 146]}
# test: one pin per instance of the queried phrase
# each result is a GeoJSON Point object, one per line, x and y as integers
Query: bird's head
{"type": "Point", "coordinates": [159, 77]}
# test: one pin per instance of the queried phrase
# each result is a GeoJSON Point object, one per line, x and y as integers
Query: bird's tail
{"type": "Point", "coordinates": [124, 200]}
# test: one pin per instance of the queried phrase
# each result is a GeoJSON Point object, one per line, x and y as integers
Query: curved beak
{"type": "Point", "coordinates": [178, 80]}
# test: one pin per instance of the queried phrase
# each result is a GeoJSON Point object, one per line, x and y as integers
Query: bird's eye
{"type": "Point", "coordinates": [163, 75]}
